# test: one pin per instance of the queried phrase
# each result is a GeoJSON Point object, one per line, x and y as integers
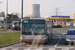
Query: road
{"type": "Point", "coordinates": [9, 30]}
{"type": "Point", "coordinates": [57, 43]}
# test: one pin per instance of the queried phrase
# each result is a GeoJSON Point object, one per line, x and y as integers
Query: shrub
{"type": "Point", "coordinates": [58, 26]}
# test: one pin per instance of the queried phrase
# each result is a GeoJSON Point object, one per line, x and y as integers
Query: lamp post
{"type": "Point", "coordinates": [22, 9]}
{"type": "Point", "coordinates": [6, 12]}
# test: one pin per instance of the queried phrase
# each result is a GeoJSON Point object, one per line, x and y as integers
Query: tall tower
{"type": "Point", "coordinates": [35, 11]}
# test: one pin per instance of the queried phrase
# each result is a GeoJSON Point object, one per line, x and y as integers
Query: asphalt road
{"type": "Point", "coordinates": [9, 30]}
{"type": "Point", "coordinates": [56, 43]}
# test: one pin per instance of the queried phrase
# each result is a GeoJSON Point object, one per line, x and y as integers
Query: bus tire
{"type": "Point", "coordinates": [51, 37]}
{"type": "Point", "coordinates": [48, 39]}
{"type": "Point", "coordinates": [72, 43]}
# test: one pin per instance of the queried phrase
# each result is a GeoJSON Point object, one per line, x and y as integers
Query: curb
{"type": "Point", "coordinates": [9, 45]}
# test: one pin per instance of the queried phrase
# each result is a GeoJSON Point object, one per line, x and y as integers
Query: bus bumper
{"type": "Point", "coordinates": [33, 41]}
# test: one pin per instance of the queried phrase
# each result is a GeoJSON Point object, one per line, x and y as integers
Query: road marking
{"type": "Point", "coordinates": [58, 41]}
{"type": "Point", "coordinates": [14, 49]}
{"type": "Point", "coordinates": [39, 48]}
{"type": "Point", "coordinates": [2, 49]}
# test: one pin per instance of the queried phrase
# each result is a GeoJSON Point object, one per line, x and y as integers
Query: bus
{"type": "Point", "coordinates": [36, 30]}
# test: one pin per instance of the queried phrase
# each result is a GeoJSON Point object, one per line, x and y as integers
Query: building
{"type": "Point", "coordinates": [2, 21]}
{"type": "Point", "coordinates": [60, 20]}
{"type": "Point", "coordinates": [35, 11]}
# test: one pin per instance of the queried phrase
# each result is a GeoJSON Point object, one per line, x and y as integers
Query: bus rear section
{"type": "Point", "coordinates": [34, 30]}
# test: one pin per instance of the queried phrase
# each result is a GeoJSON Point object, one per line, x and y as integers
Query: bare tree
{"type": "Point", "coordinates": [16, 13]}
{"type": "Point", "coordinates": [2, 14]}
{"type": "Point", "coordinates": [12, 17]}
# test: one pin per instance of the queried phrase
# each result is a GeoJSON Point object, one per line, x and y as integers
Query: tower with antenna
{"type": "Point", "coordinates": [57, 12]}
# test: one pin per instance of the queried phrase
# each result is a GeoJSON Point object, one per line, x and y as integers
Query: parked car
{"type": "Point", "coordinates": [70, 37]}
{"type": "Point", "coordinates": [15, 25]}
{"type": "Point", "coordinates": [9, 26]}
{"type": "Point", "coordinates": [1, 25]}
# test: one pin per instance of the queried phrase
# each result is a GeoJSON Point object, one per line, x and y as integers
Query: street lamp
{"type": "Point", "coordinates": [6, 12]}
{"type": "Point", "coordinates": [22, 9]}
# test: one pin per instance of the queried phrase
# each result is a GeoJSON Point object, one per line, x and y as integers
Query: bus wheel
{"type": "Point", "coordinates": [66, 43]}
{"type": "Point", "coordinates": [47, 39]}
{"type": "Point", "coordinates": [51, 37]}
{"type": "Point", "coordinates": [72, 43]}
{"type": "Point", "coordinates": [13, 29]}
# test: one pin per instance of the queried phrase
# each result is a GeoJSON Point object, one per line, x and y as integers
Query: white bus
{"type": "Point", "coordinates": [35, 30]}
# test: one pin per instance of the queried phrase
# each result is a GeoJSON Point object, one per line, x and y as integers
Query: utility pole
{"type": "Point", "coordinates": [22, 9]}
{"type": "Point", "coordinates": [7, 8]}
{"type": "Point", "coordinates": [57, 12]}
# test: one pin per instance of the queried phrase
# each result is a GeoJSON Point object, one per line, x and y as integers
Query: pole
{"type": "Point", "coordinates": [7, 8]}
{"type": "Point", "coordinates": [22, 10]}
{"type": "Point", "coordinates": [6, 12]}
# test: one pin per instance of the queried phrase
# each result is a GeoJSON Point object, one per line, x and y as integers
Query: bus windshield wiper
{"type": "Point", "coordinates": [27, 33]}
{"type": "Point", "coordinates": [38, 34]}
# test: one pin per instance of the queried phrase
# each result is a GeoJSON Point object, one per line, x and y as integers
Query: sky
{"type": "Point", "coordinates": [47, 7]}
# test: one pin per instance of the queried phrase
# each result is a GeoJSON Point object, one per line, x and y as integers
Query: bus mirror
{"type": "Point", "coordinates": [47, 31]}
{"type": "Point", "coordinates": [64, 34]}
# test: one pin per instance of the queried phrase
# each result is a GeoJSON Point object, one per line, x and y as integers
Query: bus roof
{"type": "Point", "coordinates": [15, 21]}
{"type": "Point", "coordinates": [35, 19]}
{"type": "Point", "coordinates": [38, 18]}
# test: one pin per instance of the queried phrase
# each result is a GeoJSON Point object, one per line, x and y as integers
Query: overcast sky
{"type": "Point", "coordinates": [47, 7]}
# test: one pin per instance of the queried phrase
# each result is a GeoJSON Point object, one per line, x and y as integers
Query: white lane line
{"type": "Point", "coordinates": [58, 41]}
{"type": "Point", "coordinates": [14, 49]}
{"type": "Point", "coordinates": [3, 49]}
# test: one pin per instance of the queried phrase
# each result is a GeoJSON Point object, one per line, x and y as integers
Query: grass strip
{"type": "Point", "coordinates": [9, 38]}
{"type": "Point", "coordinates": [1, 29]}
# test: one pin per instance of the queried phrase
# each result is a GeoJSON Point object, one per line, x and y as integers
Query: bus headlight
{"type": "Point", "coordinates": [22, 37]}
{"type": "Point", "coordinates": [13, 25]}
{"type": "Point", "coordinates": [44, 37]}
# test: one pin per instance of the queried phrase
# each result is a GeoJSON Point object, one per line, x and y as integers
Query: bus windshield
{"type": "Point", "coordinates": [33, 27]}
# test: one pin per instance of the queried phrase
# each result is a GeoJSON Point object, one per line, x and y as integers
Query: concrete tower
{"type": "Point", "coordinates": [35, 11]}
